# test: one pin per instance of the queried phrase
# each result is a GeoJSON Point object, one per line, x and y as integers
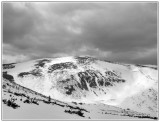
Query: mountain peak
{"type": "Point", "coordinates": [83, 79]}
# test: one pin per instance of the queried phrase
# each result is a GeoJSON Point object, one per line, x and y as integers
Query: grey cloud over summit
{"type": "Point", "coordinates": [118, 31]}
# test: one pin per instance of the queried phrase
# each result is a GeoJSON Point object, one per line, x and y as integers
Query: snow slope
{"type": "Point", "coordinates": [92, 81]}
{"type": "Point", "coordinates": [26, 104]}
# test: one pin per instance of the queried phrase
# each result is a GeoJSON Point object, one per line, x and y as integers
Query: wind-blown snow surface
{"type": "Point", "coordinates": [20, 103]}
{"type": "Point", "coordinates": [88, 80]}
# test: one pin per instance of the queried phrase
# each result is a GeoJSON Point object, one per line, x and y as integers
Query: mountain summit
{"type": "Point", "coordinates": [89, 80]}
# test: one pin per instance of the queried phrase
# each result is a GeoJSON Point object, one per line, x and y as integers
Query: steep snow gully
{"type": "Point", "coordinates": [89, 80]}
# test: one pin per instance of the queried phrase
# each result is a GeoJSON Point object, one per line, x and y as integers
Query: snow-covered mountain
{"type": "Point", "coordinates": [90, 81]}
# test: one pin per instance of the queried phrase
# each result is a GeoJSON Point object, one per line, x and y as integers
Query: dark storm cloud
{"type": "Point", "coordinates": [15, 23]}
{"type": "Point", "coordinates": [125, 32]}
{"type": "Point", "coordinates": [123, 29]}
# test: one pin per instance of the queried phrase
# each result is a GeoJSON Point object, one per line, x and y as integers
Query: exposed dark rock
{"type": "Point", "coordinates": [8, 76]}
{"type": "Point", "coordinates": [3, 86]}
{"type": "Point", "coordinates": [48, 102]}
{"type": "Point", "coordinates": [8, 66]}
{"type": "Point", "coordinates": [59, 104]}
{"type": "Point", "coordinates": [35, 102]}
{"type": "Point", "coordinates": [79, 85]}
{"type": "Point", "coordinates": [61, 66]}
{"type": "Point", "coordinates": [19, 94]}
{"type": "Point", "coordinates": [74, 112]}
{"type": "Point", "coordinates": [11, 103]}
{"type": "Point", "coordinates": [82, 80]}
{"type": "Point", "coordinates": [85, 60]}
{"type": "Point", "coordinates": [93, 83]}
{"type": "Point", "coordinates": [27, 101]}
{"type": "Point", "coordinates": [147, 66]}
{"type": "Point", "coordinates": [108, 84]}
{"type": "Point", "coordinates": [35, 72]}
{"type": "Point", "coordinates": [74, 103]}
{"type": "Point", "coordinates": [22, 74]}
{"type": "Point", "coordinates": [70, 89]}
{"type": "Point", "coordinates": [109, 73]}
{"type": "Point", "coordinates": [100, 82]}
{"type": "Point", "coordinates": [41, 63]}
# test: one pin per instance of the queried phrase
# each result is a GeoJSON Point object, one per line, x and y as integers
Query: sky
{"type": "Point", "coordinates": [115, 31]}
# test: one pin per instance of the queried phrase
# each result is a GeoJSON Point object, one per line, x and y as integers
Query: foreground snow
{"type": "Point", "coordinates": [42, 109]}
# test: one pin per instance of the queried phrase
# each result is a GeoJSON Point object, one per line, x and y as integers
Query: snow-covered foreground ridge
{"type": "Point", "coordinates": [89, 80]}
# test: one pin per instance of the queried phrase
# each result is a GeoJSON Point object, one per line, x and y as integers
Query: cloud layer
{"type": "Point", "coordinates": [123, 32]}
